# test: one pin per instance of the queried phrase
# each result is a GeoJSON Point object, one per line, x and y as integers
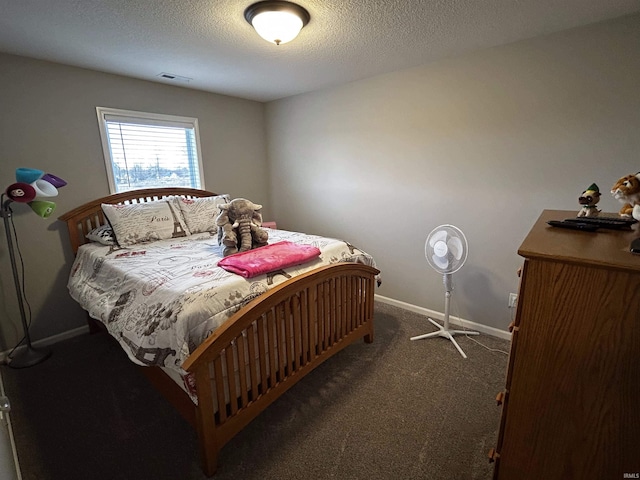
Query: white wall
{"type": "Point", "coordinates": [48, 120]}
{"type": "Point", "coordinates": [483, 141]}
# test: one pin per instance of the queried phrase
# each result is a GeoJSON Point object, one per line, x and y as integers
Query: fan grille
{"type": "Point", "coordinates": [446, 249]}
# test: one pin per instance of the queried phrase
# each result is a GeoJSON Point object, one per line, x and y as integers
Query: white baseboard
{"type": "Point", "coordinates": [49, 340]}
{"type": "Point", "coordinates": [495, 332]}
{"type": "Point", "coordinates": [469, 325]}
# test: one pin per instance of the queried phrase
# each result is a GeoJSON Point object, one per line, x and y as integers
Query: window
{"type": "Point", "coordinates": [147, 150]}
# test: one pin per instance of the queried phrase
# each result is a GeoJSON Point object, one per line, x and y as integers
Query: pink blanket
{"type": "Point", "coordinates": [268, 258]}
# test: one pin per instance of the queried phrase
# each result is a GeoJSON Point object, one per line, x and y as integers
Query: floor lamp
{"type": "Point", "coordinates": [31, 185]}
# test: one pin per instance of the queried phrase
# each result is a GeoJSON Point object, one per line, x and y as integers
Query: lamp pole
{"type": "Point", "coordinates": [26, 356]}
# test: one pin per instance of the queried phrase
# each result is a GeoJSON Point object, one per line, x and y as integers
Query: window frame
{"type": "Point", "coordinates": [144, 118]}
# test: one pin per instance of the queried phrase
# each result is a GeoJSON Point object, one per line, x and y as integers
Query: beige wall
{"type": "Point", "coordinates": [48, 121]}
{"type": "Point", "coordinates": [484, 142]}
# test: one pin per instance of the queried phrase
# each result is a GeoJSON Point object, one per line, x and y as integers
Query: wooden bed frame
{"type": "Point", "coordinates": [307, 319]}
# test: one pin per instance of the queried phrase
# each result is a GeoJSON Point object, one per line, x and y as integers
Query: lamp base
{"type": "Point", "coordinates": [28, 357]}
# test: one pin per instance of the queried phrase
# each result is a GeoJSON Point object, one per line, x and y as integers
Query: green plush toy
{"type": "Point", "coordinates": [239, 226]}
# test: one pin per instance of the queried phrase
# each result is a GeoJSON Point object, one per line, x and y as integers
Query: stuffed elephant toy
{"type": "Point", "coordinates": [239, 226]}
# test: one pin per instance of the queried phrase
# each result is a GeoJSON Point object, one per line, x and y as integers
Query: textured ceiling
{"type": "Point", "coordinates": [209, 42]}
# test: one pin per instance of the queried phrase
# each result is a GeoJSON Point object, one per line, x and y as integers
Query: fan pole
{"type": "Point", "coordinates": [27, 356]}
{"type": "Point", "coordinates": [446, 279]}
{"type": "Point", "coordinates": [444, 331]}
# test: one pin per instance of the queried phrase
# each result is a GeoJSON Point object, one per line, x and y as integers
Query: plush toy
{"type": "Point", "coordinates": [589, 198]}
{"type": "Point", "coordinates": [239, 226]}
{"type": "Point", "coordinates": [627, 191]}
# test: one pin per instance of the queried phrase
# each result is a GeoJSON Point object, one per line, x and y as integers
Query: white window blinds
{"type": "Point", "coordinates": [144, 150]}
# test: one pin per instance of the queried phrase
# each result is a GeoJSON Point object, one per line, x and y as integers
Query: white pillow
{"type": "Point", "coordinates": [145, 222]}
{"type": "Point", "coordinates": [200, 213]}
{"type": "Point", "coordinates": [102, 234]}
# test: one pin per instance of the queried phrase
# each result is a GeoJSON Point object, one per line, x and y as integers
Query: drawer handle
{"type": "Point", "coordinates": [493, 455]}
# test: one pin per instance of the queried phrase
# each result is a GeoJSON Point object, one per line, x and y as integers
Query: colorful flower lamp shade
{"type": "Point", "coordinates": [28, 175]}
{"type": "Point", "coordinates": [33, 187]}
{"type": "Point", "coordinates": [21, 192]}
{"type": "Point", "coordinates": [43, 208]}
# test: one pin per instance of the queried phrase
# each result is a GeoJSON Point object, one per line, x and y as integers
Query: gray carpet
{"type": "Point", "coordinates": [393, 409]}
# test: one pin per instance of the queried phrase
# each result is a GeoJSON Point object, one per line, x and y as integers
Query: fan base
{"type": "Point", "coordinates": [446, 333]}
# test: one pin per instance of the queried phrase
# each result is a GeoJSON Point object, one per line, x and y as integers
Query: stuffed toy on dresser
{"type": "Point", "coordinates": [588, 201]}
{"type": "Point", "coordinates": [627, 191]}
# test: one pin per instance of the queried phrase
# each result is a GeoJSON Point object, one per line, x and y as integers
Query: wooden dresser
{"type": "Point", "coordinates": [571, 404]}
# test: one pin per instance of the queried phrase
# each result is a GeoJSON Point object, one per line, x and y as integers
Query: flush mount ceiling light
{"type": "Point", "coordinates": [275, 21]}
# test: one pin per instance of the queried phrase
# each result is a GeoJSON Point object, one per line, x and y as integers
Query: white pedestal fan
{"type": "Point", "coordinates": [446, 251]}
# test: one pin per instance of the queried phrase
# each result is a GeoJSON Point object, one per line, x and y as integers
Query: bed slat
{"type": "Point", "coordinates": [262, 344]}
{"type": "Point", "coordinates": [271, 336]}
{"type": "Point", "coordinates": [296, 354]}
{"type": "Point", "coordinates": [242, 361]}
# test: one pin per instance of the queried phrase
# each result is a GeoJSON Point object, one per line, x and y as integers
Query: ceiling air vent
{"type": "Point", "coordinates": [173, 77]}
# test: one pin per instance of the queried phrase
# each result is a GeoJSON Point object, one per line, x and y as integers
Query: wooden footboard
{"type": "Point", "coordinates": [289, 330]}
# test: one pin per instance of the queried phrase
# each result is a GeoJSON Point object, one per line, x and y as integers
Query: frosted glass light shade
{"type": "Point", "coordinates": [277, 27]}
{"type": "Point", "coordinates": [277, 21]}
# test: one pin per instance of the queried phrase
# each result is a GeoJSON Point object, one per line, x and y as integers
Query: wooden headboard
{"type": "Point", "coordinates": [83, 219]}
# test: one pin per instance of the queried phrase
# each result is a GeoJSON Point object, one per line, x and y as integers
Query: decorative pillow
{"type": "Point", "coordinates": [102, 234]}
{"type": "Point", "coordinates": [200, 213]}
{"type": "Point", "coordinates": [145, 222]}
